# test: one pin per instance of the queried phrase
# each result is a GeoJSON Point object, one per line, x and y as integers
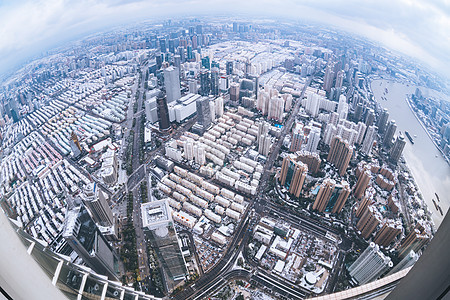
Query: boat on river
{"type": "Point", "coordinates": [409, 137]}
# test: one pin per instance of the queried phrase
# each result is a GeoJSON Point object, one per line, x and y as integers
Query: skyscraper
{"type": "Point", "coordinates": [313, 139]}
{"type": "Point", "coordinates": [328, 78]}
{"type": "Point", "coordinates": [312, 160]}
{"type": "Point", "coordinates": [95, 201]}
{"type": "Point", "coordinates": [234, 93]}
{"type": "Point", "coordinates": [364, 204]}
{"type": "Point", "coordinates": [415, 240]}
{"type": "Point", "coordinates": [362, 183]}
{"type": "Point", "coordinates": [324, 194]}
{"type": "Point", "coordinates": [368, 140]}
{"type": "Point", "coordinates": [339, 79]}
{"type": "Point", "coordinates": [276, 108]}
{"type": "Point", "coordinates": [84, 237]}
{"type": "Point", "coordinates": [382, 121]}
{"type": "Point", "coordinates": [331, 196]}
{"type": "Point", "coordinates": [172, 83]}
{"type": "Point", "coordinates": [340, 154]}
{"type": "Point", "coordinates": [219, 107]}
{"type": "Point", "coordinates": [293, 174]}
{"type": "Point", "coordinates": [214, 81]}
{"type": "Point", "coordinates": [389, 134]}
{"type": "Point", "coordinates": [205, 87]}
{"type": "Point", "coordinates": [193, 86]}
{"type": "Point", "coordinates": [158, 227]}
{"type": "Point", "coordinates": [339, 198]}
{"type": "Point", "coordinates": [370, 117]}
{"type": "Point", "coordinates": [229, 67]}
{"type": "Point", "coordinates": [358, 112]}
{"type": "Point", "coordinates": [163, 112]}
{"type": "Point", "coordinates": [406, 262]}
{"type": "Point", "coordinates": [397, 149]}
{"type": "Point", "coordinates": [162, 45]}
{"type": "Point", "coordinates": [203, 113]}
{"type": "Point", "coordinates": [370, 265]}
{"type": "Point", "coordinates": [297, 137]}
{"type": "Point", "coordinates": [369, 221]}
{"type": "Point", "coordinates": [313, 104]}
{"type": "Point", "coordinates": [388, 232]}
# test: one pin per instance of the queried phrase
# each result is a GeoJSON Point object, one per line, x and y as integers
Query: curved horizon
{"type": "Point", "coordinates": [415, 29]}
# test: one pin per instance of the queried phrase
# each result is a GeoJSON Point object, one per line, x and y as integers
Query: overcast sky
{"type": "Point", "coordinates": [418, 28]}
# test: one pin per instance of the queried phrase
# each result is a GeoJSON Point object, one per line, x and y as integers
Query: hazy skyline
{"type": "Point", "coordinates": [413, 27]}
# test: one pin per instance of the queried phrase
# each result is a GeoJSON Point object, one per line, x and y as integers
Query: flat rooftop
{"type": "Point", "coordinates": [155, 214]}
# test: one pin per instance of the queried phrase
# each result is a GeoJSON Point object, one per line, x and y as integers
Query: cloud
{"type": "Point", "coordinates": [417, 28]}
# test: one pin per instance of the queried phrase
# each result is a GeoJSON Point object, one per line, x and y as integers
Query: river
{"type": "Point", "coordinates": [431, 173]}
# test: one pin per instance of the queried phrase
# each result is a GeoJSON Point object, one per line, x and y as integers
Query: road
{"type": "Point", "coordinates": [274, 152]}
{"type": "Point", "coordinates": [212, 278]}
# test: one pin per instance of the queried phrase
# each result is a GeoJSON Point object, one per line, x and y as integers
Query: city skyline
{"type": "Point", "coordinates": [182, 156]}
{"type": "Point", "coordinates": [414, 28]}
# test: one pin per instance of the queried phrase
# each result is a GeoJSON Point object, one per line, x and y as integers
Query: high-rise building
{"type": "Point", "coordinates": [162, 44]}
{"type": "Point", "coordinates": [406, 262]}
{"type": "Point", "coordinates": [199, 29]}
{"type": "Point", "coordinates": [363, 205]}
{"type": "Point", "coordinates": [219, 107]}
{"type": "Point", "coordinates": [328, 78]}
{"type": "Point", "coordinates": [415, 241]}
{"type": "Point", "coordinates": [342, 109]}
{"type": "Point", "coordinates": [312, 140]}
{"type": "Point", "coordinates": [297, 137]}
{"type": "Point", "coordinates": [163, 113]}
{"type": "Point", "coordinates": [234, 93]}
{"type": "Point", "coordinates": [110, 166]}
{"type": "Point", "coordinates": [264, 140]}
{"type": "Point", "coordinates": [276, 108]}
{"type": "Point", "coordinates": [370, 117]}
{"type": "Point", "coordinates": [338, 198]}
{"type": "Point", "coordinates": [388, 232]}
{"type": "Point", "coordinates": [205, 86]}
{"type": "Point", "coordinates": [172, 83]}
{"type": "Point", "coordinates": [158, 227]}
{"type": "Point", "coordinates": [340, 154]}
{"type": "Point", "coordinates": [383, 120]}
{"type": "Point", "coordinates": [312, 104]}
{"type": "Point", "coordinates": [397, 149]}
{"type": "Point", "coordinates": [214, 81]}
{"type": "Point", "coordinates": [193, 86]}
{"type": "Point", "coordinates": [229, 67]}
{"type": "Point", "coordinates": [95, 201]}
{"type": "Point", "coordinates": [293, 174]}
{"type": "Point", "coordinates": [389, 134]}
{"type": "Point", "coordinates": [177, 62]}
{"type": "Point", "coordinates": [212, 109]}
{"type": "Point", "coordinates": [362, 183]}
{"type": "Point", "coordinates": [262, 101]}
{"type": "Point", "coordinates": [324, 194]}
{"type": "Point", "coordinates": [172, 46]}
{"type": "Point", "coordinates": [188, 147]}
{"type": "Point", "coordinates": [84, 237]}
{"type": "Point", "coordinates": [358, 112]}
{"type": "Point", "coordinates": [370, 265]}
{"type": "Point", "coordinates": [151, 109]}
{"type": "Point", "coordinates": [331, 197]}
{"type": "Point", "coordinates": [368, 140]}
{"type": "Point", "coordinates": [339, 79]}
{"type": "Point", "coordinates": [199, 153]}
{"type": "Point", "coordinates": [312, 160]}
{"type": "Point", "coordinates": [369, 221]}
{"type": "Point", "coordinates": [203, 113]}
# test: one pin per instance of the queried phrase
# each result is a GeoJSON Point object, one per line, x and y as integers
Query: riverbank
{"type": "Point", "coordinates": [407, 99]}
{"type": "Point", "coordinates": [430, 171]}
